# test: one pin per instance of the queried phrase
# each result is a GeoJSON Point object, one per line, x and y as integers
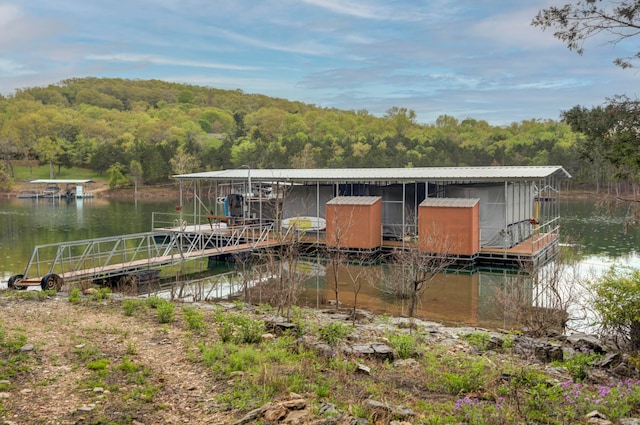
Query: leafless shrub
{"type": "Point", "coordinates": [545, 299]}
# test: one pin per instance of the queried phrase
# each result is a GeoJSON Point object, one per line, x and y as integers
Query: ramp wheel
{"type": "Point", "coordinates": [51, 281]}
{"type": "Point", "coordinates": [14, 282]}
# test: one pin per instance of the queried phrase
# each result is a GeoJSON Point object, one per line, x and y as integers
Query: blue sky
{"type": "Point", "coordinates": [465, 58]}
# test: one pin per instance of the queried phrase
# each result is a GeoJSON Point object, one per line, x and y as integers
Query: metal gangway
{"type": "Point", "coordinates": [52, 264]}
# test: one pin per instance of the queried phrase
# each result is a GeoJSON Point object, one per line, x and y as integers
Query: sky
{"type": "Point", "coordinates": [463, 58]}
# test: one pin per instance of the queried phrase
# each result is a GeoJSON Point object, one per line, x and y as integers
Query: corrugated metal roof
{"type": "Point", "coordinates": [459, 174]}
{"type": "Point", "coordinates": [450, 202]}
{"type": "Point", "coordinates": [354, 200]}
{"type": "Point", "coordinates": [61, 181]}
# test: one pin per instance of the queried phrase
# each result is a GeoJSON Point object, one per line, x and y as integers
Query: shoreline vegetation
{"type": "Point", "coordinates": [171, 191]}
{"type": "Point", "coordinates": [143, 360]}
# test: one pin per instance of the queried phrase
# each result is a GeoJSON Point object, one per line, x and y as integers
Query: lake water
{"type": "Point", "coordinates": [601, 233]}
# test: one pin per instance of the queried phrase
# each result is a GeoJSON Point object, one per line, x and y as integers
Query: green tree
{"type": "Point", "coordinates": [575, 23]}
{"type": "Point", "coordinates": [135, 173]}
{"type": "Point", "coordinates": [183, 162]}
{"type": "Point", "coordinates": [116, 176]}
{"type": "Point", "coordinates": [617, 303]}
{"type": "Point", "coordinates": [48, 151]}
{"type": "Point", "coordinates": [611, 135]}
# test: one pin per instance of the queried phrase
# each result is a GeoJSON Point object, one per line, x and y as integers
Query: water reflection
{"type": "Point", "coordinates": [601, 233]}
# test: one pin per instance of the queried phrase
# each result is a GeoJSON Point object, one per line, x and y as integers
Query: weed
{"type": "Point", "coordinates": [101, 294]}
{"type": "Point", "coordinates": [225, 331]}
{"type": "Point", "coordinates": [403, 344]}
{"type": "Point", "coordinates": [88, 352]}
{"type": "Point", "coordinates": [154, 301]}
{"type": "Point", "coordinates": [74, 296]}
{"type": "Point", "coordinates": [166, 312]}
{"type": "Point", "coordinates": [251, 331]}
{"type": "Point", "coordinates": [98, 364]}
{"type": "Point", "coordinates": [145, 393]}
{"type": "Point", "coordinates": [132, 348]}
{"type": "Point", "coordinates": [131, 306]}
{"type": "Point", "coordinates": [579, 364]}
{"type": "Point", "coordinates": [334, 332]}
{"type": "Point", "coordinates": [194, 318]}
{"type": "Point", "coordinates": [478, 340]}
{"type": "Point", "coordinates": [12, 360]}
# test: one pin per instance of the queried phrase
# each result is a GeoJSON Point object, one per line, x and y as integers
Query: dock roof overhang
{"type": "Point", "coordinates": [61, 181]}
{"type": "Point", "coordinates": [387, 175]}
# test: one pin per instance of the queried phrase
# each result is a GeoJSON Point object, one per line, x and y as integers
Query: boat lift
{"type": "Point", "coordinates": [52, 265]}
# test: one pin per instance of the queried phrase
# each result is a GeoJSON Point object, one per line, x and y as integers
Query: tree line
{"type": "Point", "coordinates": [149, 130]}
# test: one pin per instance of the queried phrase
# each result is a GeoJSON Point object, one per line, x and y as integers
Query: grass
{"type": "Point", "coordinates": [241, 371]}
{"type": "Point", "coordinates": [26, 173]}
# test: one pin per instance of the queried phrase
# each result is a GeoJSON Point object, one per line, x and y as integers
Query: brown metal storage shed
{"type": "Point", "coordinates": [449, 226]}
{"type": "Point", "coordinates": [354, 222]}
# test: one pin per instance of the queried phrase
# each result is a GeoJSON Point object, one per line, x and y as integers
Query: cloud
{"type": "Point", "coordinates": [159, 60]}
{"type": "Point", "coordinates": [12, 68]}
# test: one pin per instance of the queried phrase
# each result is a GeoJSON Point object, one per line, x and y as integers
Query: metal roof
{"type": "Point", "coordinates": [445, 174]}
{"type": "Point", "coordinates": [354, 200]}
{"type": "Point", "coordinates": [61, 181]}
{"type": "Point", "coordinates": [450, 202]}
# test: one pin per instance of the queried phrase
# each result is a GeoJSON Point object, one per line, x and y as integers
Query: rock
{"type": "Point", "coordinates": [87, 407]}
{"type": "Point", "coordinates": [249, 417]}
{"type": "Point", "coordinates": [26, 391]}
{"type": "Point", "coordinates": [629, 421]}
{"type": "Point", "coordinates": [538, 349]}
{"type": "Point", "coordinates": [275, 412]}
{"type": "Point", "coordinates": [383, 351]}
{"type": "Point", "coordinates": [363, 369]}
{"type": "Point", "coordinates": [328, 409]}
{"type": "Point", "coordinates": [282, 326]}
{"type": "Point", "coordinates": [27, 347]}
{"type": "Point", "coordinates": [584, 342]}
{"type": "Point", "coordinates": [98, 390]}
{"type": "Point", "coordinates": [296, 417]}
{"type": "Point", "coordinates": [610, 360]}
{"type": "Point", "coordinates": [268, 337]}
{"type": "Point", "coordinates": [623, 370]}
{"type": "Point", "coordinates": [401, 411]}
{"type": "Point", "coordinates": [295, 404]}
{"type": "Point", "coordinates": [399, 423]}
{"type": "Point", "coordinates": [362, 350]}
{"type": "Point", "coordinates": [4, 395]}
{"type": "Point", "coordinates": [595, 417]}
{"type": "Point", "coordinates": [495, 342]}
{"type": "Point", "coordinates": [4, 382]}
{"type": "Point", "coordinates": [405, 363]}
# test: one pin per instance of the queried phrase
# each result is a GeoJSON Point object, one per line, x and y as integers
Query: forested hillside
{"type": "Point", "coordinates": [153, 129]}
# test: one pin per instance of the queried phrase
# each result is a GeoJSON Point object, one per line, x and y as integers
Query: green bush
{"type": "Point", "coordinates": [101, 294]}
{"type": "Point", "coordinates": [404, 345]}
{"type": "Point", "coordinates": [154, 301]}
{"type": "Point", "coordinates": [166, 312]}
{"type": "Point", "coordinates": [194, 318]}
{"type": "Point", "coordinates": [131, 306]}
{"type": "Point", "coordinates": [74, 296]}
{"type": "Point", "coordinates": [334, 332]}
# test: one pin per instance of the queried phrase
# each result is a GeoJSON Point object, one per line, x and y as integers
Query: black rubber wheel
{"type": "Point", "coordinates": [14, 281]}
{"type": "Point", "coordinates": [51, 281]}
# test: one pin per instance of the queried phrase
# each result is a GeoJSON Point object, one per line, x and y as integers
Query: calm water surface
{"type": "Point", "coordinates": [599, 231]}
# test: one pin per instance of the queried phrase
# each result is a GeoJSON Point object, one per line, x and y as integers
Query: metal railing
{"type": "Point", "coordinates": [117, 255]}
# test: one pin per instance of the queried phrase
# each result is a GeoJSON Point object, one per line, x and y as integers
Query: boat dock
{"type": "Point", "coordinates": [139, 254]}
{"type": "Point", "coordinates": [58, 189]}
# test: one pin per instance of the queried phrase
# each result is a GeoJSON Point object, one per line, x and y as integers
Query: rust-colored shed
{"type": "Point", "coordinates": [354, 222]}
{"type": "Point", "coordinates": [449, 226]}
